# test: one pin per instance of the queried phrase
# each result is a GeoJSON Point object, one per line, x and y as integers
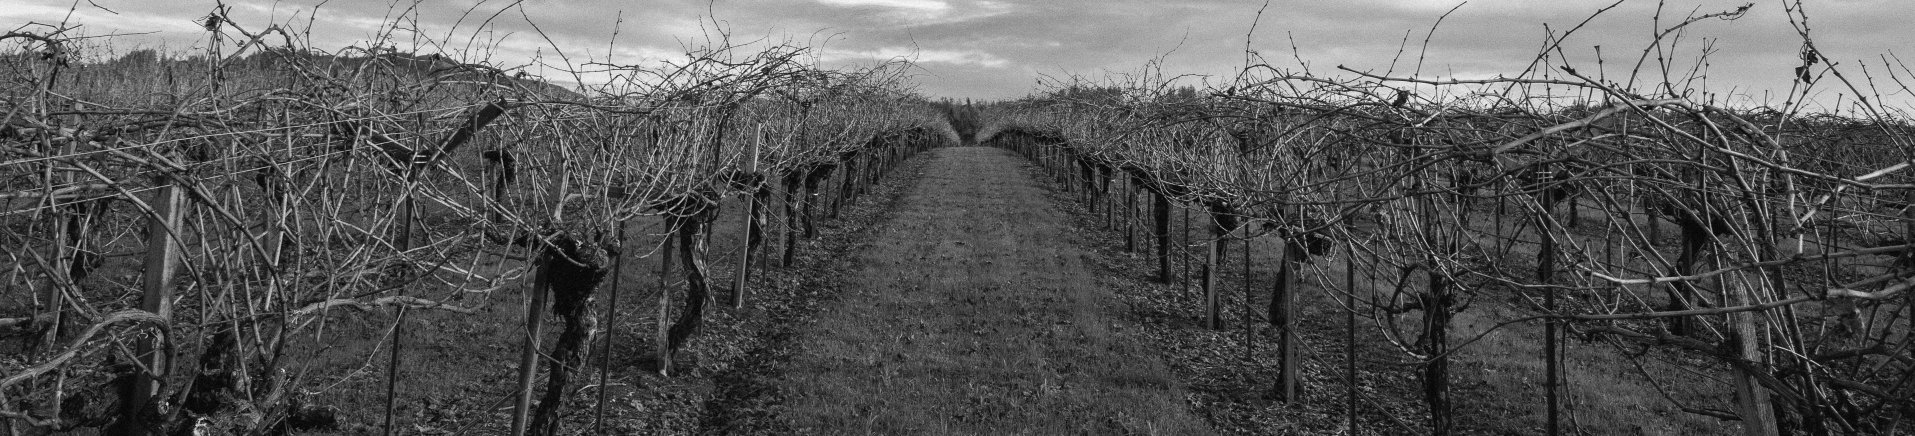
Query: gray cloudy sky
{"type": "Point", "coordinates": [991, 49]}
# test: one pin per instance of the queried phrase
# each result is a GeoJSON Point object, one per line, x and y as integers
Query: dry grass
{"type": "Point", "coordinates": [975, 315]}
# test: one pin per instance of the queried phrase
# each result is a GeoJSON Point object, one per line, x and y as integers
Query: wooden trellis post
{"type": "Point", "coordinates": [1349, 334]}
{"type": "Point", "coordinates": [1161, 212]}
{"type": "Point", "coordinates": [402, 242]}
{"type": "Point", "coordinates": [1436, 373]}
{"type": "Point", "coordinates": [1752, 399]}
{"type": "Point", "coordinates": [162, 267]}
{"type": "Point", "coordinates": [1249, 325]}
{"type": "Point", "coordinates": [664, 353]}
{"type": "Point", "coordinates": [611, 328]}
{"type": "Point", "coordinates": [1130, 212]}
{"type": "Point", "coordinates": [529, 349]}
{"type": "Point", "coordinates": [1552, 353]}
{"type": "Point", "coordinates": [1213, 308]}
{"type": "Point", "coordinates": [752, 228]}
{"type": "Point", "coordinates": [1186, 248]}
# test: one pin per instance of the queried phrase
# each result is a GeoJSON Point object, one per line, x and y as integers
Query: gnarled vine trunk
{"type": "Point", "coordinates": [691, 247]}
{"type": "Point", "coordinates": [573, 273]}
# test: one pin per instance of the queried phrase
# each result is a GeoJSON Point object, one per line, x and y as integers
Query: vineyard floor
{"type": "Point", "coordinates": [972, 312]}
{"type": "Point", "coordinates": [1497, 387]}
{"type": "Point", "coordinates": [458, 373]}
{"type": "Point", "coordinates": [968, 294]}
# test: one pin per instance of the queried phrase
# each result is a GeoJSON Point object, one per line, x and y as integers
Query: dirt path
{"type": "Point", "coordinates": [975, 313]}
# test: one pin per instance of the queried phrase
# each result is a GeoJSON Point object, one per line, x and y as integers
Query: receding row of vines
{"type": "Point", "coordinates": [185, 236]}
{"type": "Point", "coordinates": [1764, 249]}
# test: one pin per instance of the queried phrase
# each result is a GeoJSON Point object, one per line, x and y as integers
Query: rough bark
{"type": "Point", "coordinates": [793, 196]}
{"type": "Point", "coordinates": [817, 175]}
{"type": "Point", "coordinates": [1436, 378]}
{"type": "Point", "coordinates": [663, 335]}
{"type": "Point", "coordinates": [575, 271]}
{"type": "Point", "coordinates": [1130, 212]}
{"type": "Point", "coordinates": [1162, 214]}
{"type": "Point", "coordinates": [691, 245]}
{"type": "Point", "coordinates": [1282, 318]}
{"type": "Point", "coordinates": [1223, 221]}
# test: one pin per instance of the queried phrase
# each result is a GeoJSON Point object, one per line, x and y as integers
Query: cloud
{"type": "Point", "coordinates": [952, 57]}
{"type": "Point", "coordinates": [921, 5]}
{"type": "Point", "coordinates": [999, 48]}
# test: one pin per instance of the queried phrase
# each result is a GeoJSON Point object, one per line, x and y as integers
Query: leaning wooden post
{"type": "Point", "coordinates": [611, 327]}
{"type": "Point", "coordinates": [529, 348]}
{"type": "Point", "coordinates": [664, 353]}
{"type": "Point", "coordinates": [505, 165]}
{"type": "Point", "coordinates": [1752, 400]}
{"type": "Point", "coordinates": [66, 262]}
{"type": "Point", "coordinates": [162, 267]}
{"type": "Point", "coordinates": [752, 226]}
{"type": "Point", "coordinates": [402, 243]}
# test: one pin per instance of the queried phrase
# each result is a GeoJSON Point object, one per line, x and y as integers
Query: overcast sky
{"type": "Point", "coordinates": [991, 49]}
